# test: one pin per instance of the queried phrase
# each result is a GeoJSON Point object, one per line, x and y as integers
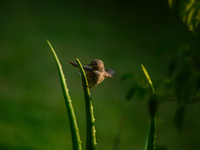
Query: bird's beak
{"type": "Point", "coordinates": [89, 64]}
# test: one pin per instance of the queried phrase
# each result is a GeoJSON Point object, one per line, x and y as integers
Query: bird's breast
{"type": "Point", "coordinates": [94, 78]}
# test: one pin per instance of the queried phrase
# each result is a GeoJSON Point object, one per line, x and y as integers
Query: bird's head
{"type": "Point", "coordinates": [97, 65]}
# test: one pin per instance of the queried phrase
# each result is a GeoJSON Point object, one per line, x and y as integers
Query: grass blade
{"type": "Point", "coordinates": [90, 126]}
{"type": "Point", "coordinates": [148, 78]}
{"type": "Point", "coordinates": [76, 142]}
{"type": "Point", "coordinates": [151, 136]}
{"type": "Point", "coordinates": [150, 140]}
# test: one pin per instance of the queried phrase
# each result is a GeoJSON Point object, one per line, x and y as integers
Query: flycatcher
{"type": "Point", "coordinates": [96, 73]}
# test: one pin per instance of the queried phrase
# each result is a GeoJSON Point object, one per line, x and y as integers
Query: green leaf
{"type": "Point", "coordinates": [189, 10]}
{"type": "Point", "coordinates": [76, 142]}
{"type": "Point", "coordinates": [150, 140]}
{"type": "Point", "coordinates": [148, 78]}
{"type": "Point", "coordinates": [171, 3]}
{"type": "Point", "coordinates": [90, 121]}
{"type": "Point", "coordinates": [190, 18]}
{"type": "Point", "coordinates": [131, 93]}
{"type": "Point", "coordinates": [136, 90]}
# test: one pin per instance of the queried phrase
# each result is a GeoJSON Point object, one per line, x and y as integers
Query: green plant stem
{"type": "Point", "coordinates": [76, 142]}
{"type": "Point", "coordinates": [150, 142]}
{"type": "Point", "coordinates": [90, 126]}
{"type": "Point", "coordinates": [151, 136]}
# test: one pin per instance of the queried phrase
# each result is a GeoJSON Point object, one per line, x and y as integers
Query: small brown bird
{"type": "Point", "coordinates": [97, 73]}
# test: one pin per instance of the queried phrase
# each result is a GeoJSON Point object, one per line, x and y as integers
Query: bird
{"type": "Point", "coordinates": [96, 73]}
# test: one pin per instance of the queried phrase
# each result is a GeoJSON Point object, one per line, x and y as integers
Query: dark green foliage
{"type": "Point", "coordinates": [189, 11]}
{"type": "Point", "coordinates": [181, 85]}
{"type": "Point", "coordinates": [137, 89]}
{"type": "Point", "coordinates": [184, 81]}
{"type": "Point", "coordinates": [183, 77]}
{"type": "Point", "coordinates": [140, 88]}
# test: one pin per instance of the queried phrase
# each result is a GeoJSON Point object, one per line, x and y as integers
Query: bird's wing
{"type": "Point", "coordinates": [109, 72]}
{"type": "Point", "coordinates": [84, 67]}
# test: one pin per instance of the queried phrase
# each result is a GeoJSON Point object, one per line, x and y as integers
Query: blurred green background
{"type": "Point", "coordinates": [123, 34]}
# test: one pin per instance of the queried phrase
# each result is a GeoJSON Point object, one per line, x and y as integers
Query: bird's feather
{"type": "Point", "coordinates": [109, 72]}
{"type": "Point", "coordinates": [84, 67]}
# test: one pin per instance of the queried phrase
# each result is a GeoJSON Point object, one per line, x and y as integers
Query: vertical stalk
{"type": "Point", "coordinates": [90, 125]}
{"type": "Point", "coordinates": [76, 142]}
{"type": "Point", "coordinates": [152, 127]}
{"type": "Point", "coordinates": [150, 142]}
{"type": "Point", "coordinates": [151, 136]}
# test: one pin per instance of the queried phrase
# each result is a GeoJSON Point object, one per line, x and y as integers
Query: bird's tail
{"type": "Point", "coordinates": [73, 64]}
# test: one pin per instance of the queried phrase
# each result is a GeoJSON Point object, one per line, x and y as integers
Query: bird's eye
{"type": "Point", "coordinates": [95, 64]}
